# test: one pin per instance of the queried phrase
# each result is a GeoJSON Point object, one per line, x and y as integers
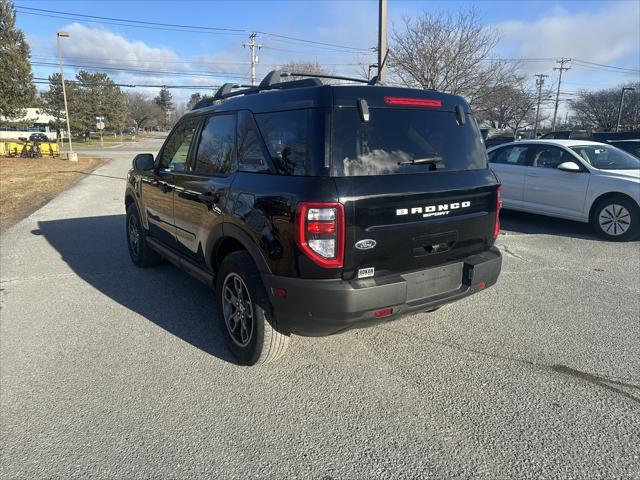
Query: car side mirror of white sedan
{"type": "Point", "coordinates": [569, 167]}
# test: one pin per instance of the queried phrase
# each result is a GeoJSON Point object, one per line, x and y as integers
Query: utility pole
{"type": "Point", "coordinates": [70, 156]}
{"type": "Point", "coordinates": [539, 83]}
{"type": "Point", "coordinates": [254, 57]}
{"type": "Point", "coordinates": [561, 68]}
{"type": "Point", "coordinates": [382, 40]}
{"type": "Point", "coordinates": [624, 89]}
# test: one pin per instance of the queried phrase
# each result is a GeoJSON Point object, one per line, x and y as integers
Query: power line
{"type": "Point", "coordinates": [235, 31]}
{"type": "Point", "coordinates": [614, 67]}
{"type": "Point", "coordinates": [111, 61]}
{"type": "Point", "coordinates": [604, 69]}
{"type": "Point", "coordinates": [42, 81]}
{"type": "Point", "coordinates": [146, 71]}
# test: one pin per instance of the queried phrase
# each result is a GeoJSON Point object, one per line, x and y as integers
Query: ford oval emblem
{"type": "Point", "coordinates": [366, 244]}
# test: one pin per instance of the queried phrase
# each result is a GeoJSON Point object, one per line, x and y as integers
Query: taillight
{"type": "Point", "coordinates": [412, 102]}
{"type": "Point", "coordinates": [496, 226]}
{"type": "Point", "coordinates": [320, 232]}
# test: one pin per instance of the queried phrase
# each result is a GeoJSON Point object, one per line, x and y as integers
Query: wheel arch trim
{"type": "Point", "coordinates": [601, 197]}
{"type": "Point", "coordinates": [229, 230]}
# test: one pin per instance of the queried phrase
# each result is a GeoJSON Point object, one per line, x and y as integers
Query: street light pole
{"type": "Point", "coordinates": [71, 155]}
{"type": "Point", "coordinates": [620, 107]}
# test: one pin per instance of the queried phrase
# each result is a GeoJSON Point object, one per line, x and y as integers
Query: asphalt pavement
{"type": "Point", "coordinates": [110, 371]}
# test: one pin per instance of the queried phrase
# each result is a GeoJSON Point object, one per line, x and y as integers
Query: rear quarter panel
{"type": "Point", "coordinates": [264, 206]}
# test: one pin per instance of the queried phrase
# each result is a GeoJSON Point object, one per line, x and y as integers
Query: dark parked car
{"type": "Point", "coordinates": [312, 209]}
{"type": "Point", "coordinates": [629, 146]}
{"type": "Point", "coordinates": [38, 137]}
{"type": "Point", "coordinates": [495, 141]}
{"type": "Point", "coordinates": [568, 135]}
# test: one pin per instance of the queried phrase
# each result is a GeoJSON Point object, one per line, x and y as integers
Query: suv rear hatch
{"type": "Point", "coordinates": [414, 181]}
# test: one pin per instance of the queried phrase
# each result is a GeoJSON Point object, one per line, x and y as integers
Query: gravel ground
{"type": "Point", "coordinates": [109, 371]}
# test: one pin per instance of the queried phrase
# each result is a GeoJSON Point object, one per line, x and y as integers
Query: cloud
{"type": "Point", "coordinates": [104, 46]}
{"type": "Point", "coordinates": [105, 49]}
{"type": "Point", "coordinates": [606, 35]}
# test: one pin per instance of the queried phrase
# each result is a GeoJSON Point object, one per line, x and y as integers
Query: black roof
{"type": "Point", "coordinates": [307, 93]}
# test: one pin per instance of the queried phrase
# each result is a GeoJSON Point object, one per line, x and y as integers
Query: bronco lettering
{"type": "Point", "coordinates": [434, 210]}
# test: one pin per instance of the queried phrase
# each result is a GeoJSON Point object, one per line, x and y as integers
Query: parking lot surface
{"type": "Point", "coordinates": [111, 371]}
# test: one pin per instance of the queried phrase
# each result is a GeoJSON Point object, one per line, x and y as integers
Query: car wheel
{"type": "Point", "coordinates": [617, 219]}
{"type": "Point", "coordinates": [141, 254]}
{"type": "Point", "coordinates": [243, 306]}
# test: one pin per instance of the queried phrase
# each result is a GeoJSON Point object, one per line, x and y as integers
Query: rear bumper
{"type": "Point", "coordinates": [325, 307]}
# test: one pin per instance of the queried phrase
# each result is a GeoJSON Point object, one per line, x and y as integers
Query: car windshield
{"type": "Point", "coordinates": [606, 157]}
{"type": "Point", "coordinates": [404, 141]}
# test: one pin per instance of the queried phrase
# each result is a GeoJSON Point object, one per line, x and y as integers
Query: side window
{"type": "Point", "coordinates": [287, 138]}
{"type": "Point", "coordinates": [215, 153]}
{"type": "Point", "coordinates": [550, 157]}
{"type": "Point", "coordinates": [516, 155]}
{"type": "Point", "coordinates": [250, 154]}
{"type": "Point", "coordinates": [176, 148]}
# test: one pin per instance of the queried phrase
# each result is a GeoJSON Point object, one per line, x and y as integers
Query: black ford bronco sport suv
{"type": "Point", "coordinates": [312, 209]}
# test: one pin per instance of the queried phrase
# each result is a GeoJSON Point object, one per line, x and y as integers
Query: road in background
{"type": "Point", "coordinates": [111, 371]}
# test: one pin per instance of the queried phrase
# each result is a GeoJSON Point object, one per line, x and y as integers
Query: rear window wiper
{"type": "Point", "coordinates": [422, 161]}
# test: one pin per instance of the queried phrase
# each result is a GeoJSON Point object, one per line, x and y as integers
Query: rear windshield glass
{"type": "Point", "coordinates": [606, 157]}
{"type": "Point", "coordinates": [401, 141]}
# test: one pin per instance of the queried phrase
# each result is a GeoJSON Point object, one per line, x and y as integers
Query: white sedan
{"type": "Point", "coordinates": [574, 179]}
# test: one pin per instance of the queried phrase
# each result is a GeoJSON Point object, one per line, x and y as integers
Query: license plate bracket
{"type": "Point", "coordinates": [433, 281]}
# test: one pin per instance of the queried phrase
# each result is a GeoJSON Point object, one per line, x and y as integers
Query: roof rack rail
{"type": "Point", "coordinates": [317, 75]}
{"type": "Point", "coordinates": [272, 81]}
{"type": "Point", "coordinates": [205, 102]}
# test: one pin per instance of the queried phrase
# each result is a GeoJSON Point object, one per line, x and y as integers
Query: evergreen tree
{"type": "Point", "coordinates": [164, 100]}
{"type": "Point", "coordinates": [54, 102]}
{"type": "Point", "coordinates": [17, 91]}
{"type": "Point", "coordinates": [195, 98]}
{"type": "Point", "coordinates": [98, 96]}
{"type": "Point", "coordinates": [90, 95]}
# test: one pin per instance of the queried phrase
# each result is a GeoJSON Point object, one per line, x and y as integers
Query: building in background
{"type": "Point", "coordinates": [34, 120]}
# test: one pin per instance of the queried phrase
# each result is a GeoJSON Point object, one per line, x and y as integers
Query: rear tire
{"type": "Point", "coordinates": [617, 219]}
{"type": "Point", "coordinates": [140, 252]}
{"type": "Point", "coordinates": [245, 311]}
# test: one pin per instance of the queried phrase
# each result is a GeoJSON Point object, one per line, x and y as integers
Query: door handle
{"type": "Point", "coordinates": [532, 175]}
{"type": "Point", "coordinates": [209, 198]}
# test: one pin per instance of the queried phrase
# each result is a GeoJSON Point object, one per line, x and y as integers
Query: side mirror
{"type": "Point", "coordinates": [143, 161]}
{"type": "Point", "coordinates": [569, 167]}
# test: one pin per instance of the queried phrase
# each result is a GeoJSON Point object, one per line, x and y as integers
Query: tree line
{"type": "Point", "coordinates": [449, 52]}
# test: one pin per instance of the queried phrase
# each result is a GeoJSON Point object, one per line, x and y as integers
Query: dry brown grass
{"type": "Point", "coordinates": [28, 183]}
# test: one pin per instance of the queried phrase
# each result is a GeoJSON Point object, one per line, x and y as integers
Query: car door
{"type": "Point", "coordinates": [509, 163]}
{"type": "Point", "coordinates": [157, 185]}
{"type": "Point", "coordinates": [202, 190]}
{"type": "Point", "coordinates": [552, 191]}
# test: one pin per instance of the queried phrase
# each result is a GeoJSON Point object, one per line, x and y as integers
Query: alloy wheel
{"type": "Point", "coordinates": [134, 236]}
{"type": "Point", "coordinates": [237, 309]}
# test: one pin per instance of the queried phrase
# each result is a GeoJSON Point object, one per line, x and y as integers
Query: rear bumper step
{"type": "Point", "coordinates": [325, 307]}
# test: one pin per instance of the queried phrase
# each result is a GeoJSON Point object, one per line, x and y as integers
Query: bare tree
{"type": "Point", "coordinates": [304, 66]}
{"type": "Point", "coordinates": [143, 111]}
{"type": "Point", "coordinates": [449, 52]}
{"type": "Point", "coordinates": [599, 109]}
{"type": "Point", "coordinates": [177, 112]}
{"type": "Point", "coordinates": [511, 106]}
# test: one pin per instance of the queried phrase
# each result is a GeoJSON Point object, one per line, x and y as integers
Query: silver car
{"type": "Point", "coordinates": [578, 180]}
